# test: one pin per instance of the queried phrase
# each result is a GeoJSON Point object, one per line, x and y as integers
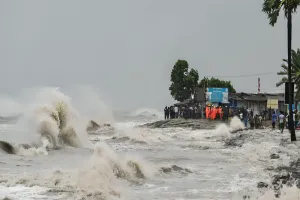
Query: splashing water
{"type": "Point", "coordinates": [225, 130]}
{"type": "Point", "coordinates": [50, 114]}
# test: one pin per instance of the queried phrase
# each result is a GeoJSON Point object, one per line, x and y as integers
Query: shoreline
{"type": "Point", "coordinates": [192, 123]}
{"type": "Point", "coordinates": [184, 123]}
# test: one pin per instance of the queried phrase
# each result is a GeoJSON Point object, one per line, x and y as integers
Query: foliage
{"type": "Point", "coordinates": [214, 82]}
{"type": "Point", "coordinates": [272, 8]}
{"type": "Point", "coordinates": [295, 71]}
{"type": "Point", "coordinates": [183, 81]}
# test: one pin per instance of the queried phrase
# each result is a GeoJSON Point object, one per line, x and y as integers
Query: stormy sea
{"type": "Point", "coordinates": [59, 146]}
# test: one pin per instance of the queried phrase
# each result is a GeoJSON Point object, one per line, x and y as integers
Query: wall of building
{"type": "Point", "coordinates": [241, 104]}
{"type": "Point", "coordinates": [257, 107]}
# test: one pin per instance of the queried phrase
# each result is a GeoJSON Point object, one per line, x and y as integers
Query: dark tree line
{"type": "Point", "coordinates": [185, 81]}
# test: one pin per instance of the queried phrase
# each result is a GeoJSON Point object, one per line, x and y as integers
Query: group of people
{"type": "Point", "coordinates": [212, 112]}
{"type": "Point", "coordinates": [196, 112]}
{"type": "Point", "coordinates": [171, 112]}
{"type": "Point", "coordinates": [247, 115]}
{"type": "Point", "coordinates": [282, 120]}
{"type": "Point", "coordinates": [224, 113]}
{"type": "Point", "coordinates": [184, 111]}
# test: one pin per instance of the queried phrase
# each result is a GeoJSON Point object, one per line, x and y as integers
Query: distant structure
{"type": "Point", "coordinates": [258, 102]}
{"type": "Point", "coordinates": [258, 85]}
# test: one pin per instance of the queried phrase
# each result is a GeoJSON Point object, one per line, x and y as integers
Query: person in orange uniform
{"type": "Point", "coordinates": [209, 112]}
{"type": "Point", "coordinates": [221, 113]}
{"type": "Point", "coordinates": [213, 113]}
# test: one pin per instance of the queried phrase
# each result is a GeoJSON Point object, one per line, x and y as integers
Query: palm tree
{"type": "Point", "coordinates": [272, 8]}
{"type": "Point", "coordinates": [295, 68]}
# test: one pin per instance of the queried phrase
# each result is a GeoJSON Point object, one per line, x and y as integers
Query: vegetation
{"type": "Point", "coordinates": [272, 8]}
{"type": "Point", "coordinates": [214, 82]}
{"type": "Point", "coordinates": [295, 72]}
{"type": "Point", "coordinates": [183, 81]}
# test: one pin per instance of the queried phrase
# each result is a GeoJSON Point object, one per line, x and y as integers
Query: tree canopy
{"type": "Point", "coordinates": [272, 8]}
{"type": "Point", "coordinates": [214, 82]}
{"type": "Point", "coordinates": [184, 81]}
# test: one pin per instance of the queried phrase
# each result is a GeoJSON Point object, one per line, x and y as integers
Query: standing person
{"type": "Point", "coordinates": [245, 116]}
{"type": "Point", "coordinates": [207, 112]}
{"type": "Point", "coordinates": [274, 118]}
{"type": "Point", "coordinates": [176, 111]}
{"type": "Point", "coordinates": [281, 121]}
{"type": "Point", "coordinates": [166, 112]}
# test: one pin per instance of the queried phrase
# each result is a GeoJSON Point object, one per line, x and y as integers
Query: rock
{"type": "Point", "coordinates": [166, 169]}
{"type": "Point", "coordinates": [176, 168]}
{"type": "Point", "coordinates": [295, 175]}
{"type": "Point", "coordinates": [283, 177]}
{"type": "Point", "coordinates": [270, 168]}
{"type": "Point", "coordinates": [274, 156]}
{"type": "Point", "coordinates": [262, 185]}
{"type": "Point", "coordinates": [297, 183]}
{"type": "Point", "coordinates": [184, 123]}
{"type": "Point", "coordinates": [7, 147]}
{"type": "Point", "coordinates": [246, 197]}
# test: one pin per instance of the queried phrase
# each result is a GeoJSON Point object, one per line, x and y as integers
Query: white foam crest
{"type": "Point", "coordinates": [35, 151]}
{"type": "Point", "coordinates": [117, 162]}
{"type": "Point", "coordinates": [41, 109]}
{"type": "Point", "coordinates": [287, 193]}
{"type": "Point", "coordinates": [22, 192]}
{"type": "Point", "coordinates": [225, 130]}
{"type": "Point", "coordinates": [137, 134]}
{"type": "Point", "coordinates": [236, 124]}
{"type": "Point", "coordinates": [98, 175]}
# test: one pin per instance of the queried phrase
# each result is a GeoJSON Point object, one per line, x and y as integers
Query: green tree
{"type": "Point", "coordinates": [183, 81]}
{"type": "Point", "coordinates": [214, 82]}
{"type": "Point", "coordinates": [295, 72]}
{"type": "Point", "coordinates": [272, 8]}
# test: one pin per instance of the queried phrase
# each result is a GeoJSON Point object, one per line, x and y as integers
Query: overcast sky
{"type": "Point", "coordinates": [127, 48]}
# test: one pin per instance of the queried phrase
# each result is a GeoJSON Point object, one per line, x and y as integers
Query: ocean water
{"type": "Point", "coordinates": [123, 161]}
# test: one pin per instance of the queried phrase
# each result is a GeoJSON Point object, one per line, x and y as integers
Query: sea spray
{"type": "Point", "coordinates": [128, 169]}
{"type": "Point", "coordinates": [49, 114]}
{"type": "Point", "coordinates": [286, 193]}
{"type": "Point", "coordinates": [236, 124]}
{"type": "Point", "coordinates": [91, 105]}
{"type": "Point", "coordinates": [225, 130]}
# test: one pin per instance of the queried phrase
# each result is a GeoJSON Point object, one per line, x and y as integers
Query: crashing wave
{"type": "Point", "coordinates": [54, 123]}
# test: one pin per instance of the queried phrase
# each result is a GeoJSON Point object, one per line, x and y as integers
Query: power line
{"type": "Point", "coordinates": [243, 75]}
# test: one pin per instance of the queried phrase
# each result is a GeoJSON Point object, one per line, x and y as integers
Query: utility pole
{"type": "Point", "coordinates": [258, 88]}
{"type": "Point", "coordinates": [291, 123]}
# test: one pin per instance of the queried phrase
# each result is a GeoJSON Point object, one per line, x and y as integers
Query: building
{"type": "Point", "coordinates": [258, 102]}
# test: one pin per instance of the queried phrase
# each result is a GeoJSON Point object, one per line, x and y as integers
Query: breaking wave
{"type": "Point", "coordinates": [100, 177]}
{"type": "Point", "coordinates": [50, 115]}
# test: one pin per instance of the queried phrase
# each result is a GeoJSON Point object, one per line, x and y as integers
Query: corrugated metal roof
{"type": "Point", "coordinates": [256, 97]}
